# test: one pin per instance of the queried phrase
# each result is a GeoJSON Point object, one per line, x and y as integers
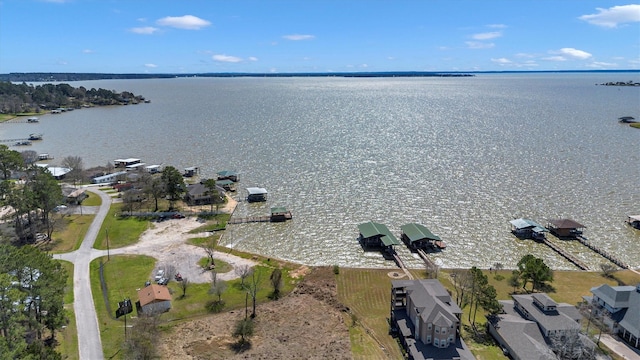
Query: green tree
{"type": "Point", "coordinates": [173, 184]}
{"type": "Point", "coordinates": [276, 283]}
{"type": "Point", "coordinates": [514, 280]}
{"type": "Point", "coordinates": [153, 186]}
{"type": "Point", "coordinates": [244, 330]}
{"type": "Point", "coordinates": [10, 160]}
{"type": "Point", "coordinates": [534, 270]}
{"type": "Point", "coordinates": [212, 191]}
{"type": "Point", "coordinates": [47, 195]}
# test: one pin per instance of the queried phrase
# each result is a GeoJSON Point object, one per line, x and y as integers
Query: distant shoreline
{"type": "Point", "coordinates": [51, 76]}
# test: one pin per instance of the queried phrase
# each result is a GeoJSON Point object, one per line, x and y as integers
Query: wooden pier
{"type": "Point", "coordinates": [602, 253]}
{"type": "Point", "coordinates": [401, 265]}
{"type": "Point", "coordinates": [250, 219]}
{"type": "Point", "coordinates": [572, 259]}
{"type": "Point", "coordinates": [423, 255]}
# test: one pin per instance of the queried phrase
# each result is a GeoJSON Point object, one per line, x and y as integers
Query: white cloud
{"type": "Point", "coordinates": [502, 61]}
{"type": "Point", "coordinates": [487, 35]}
{"type": "Point", "coordinates": [479, 45]}
{"type": "Point", "coordinates": [88, 51]}
{"type": "Point", "coordinates": [226, 58]}
{"type": "Point", "coordinates": [574, 53]}
{"type": "Point", "coordinates": [600, 64]}
{"type": "Point", "coordinates": [298, 37]}
{"type": "Point", "coordinates": [555, 58]}
{"type": "Point", "coordinates": [497, 26]}
{"type": "Point", "coordinates": [524, 55]}
{"type": "Point", "coordinates": [150, 65]}
{"type": "Point", "coordinates": [187, 22]}
{"type": "Point", "coordinates": [147, 30]}
{"type": "Point", "coordinates": [252, 58]}
{"type": "Point", "coordinates": [614, 16]}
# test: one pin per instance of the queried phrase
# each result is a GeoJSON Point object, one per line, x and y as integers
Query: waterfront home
{"type": "Point", "coordinates": [375, 235]}
{"type": "Point", "coordinates": [109, 178]}
{"type": "Point", "coordinates": [256, 194]}
{"type": "Point", "coordinates": [529, 323]}
{"type": "Point", "coordinates": [618, 308]}
{"type": "Point", "coordinates": [634, 221]}
{"type": "Point", "coordinates": [199, 194]}
{"type": "Point", "coordinates": [417, 236]}
{"type": "Point", "coordinates": [56, 171]}
{"type": "Point", "coordinates": [426, 320]}
{"type": "Point", "coordinates": [527, 229]}
{"type": "Point", "coordinates": [228, 175]}
{"type": "Point", "coordinates": [153, 169]}
{"type": "Point", "coordinates": [73, 195]}
{"type": "Point", "coordinates": [153, 299]}
{"type": "Point", "coordinates": [565, 228]}
{"type": "Point", "coordinates": [279, 214]}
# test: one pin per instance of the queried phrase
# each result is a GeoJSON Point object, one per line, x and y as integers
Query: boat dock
{"type": "Point", "coordinates": [249, 219]}
{"type": "Point", "coordinates": [567, 255]}
{"type": "Point", "coordinates": [401, 265]}
{"type": "Point", "coordinates": [602, 253]}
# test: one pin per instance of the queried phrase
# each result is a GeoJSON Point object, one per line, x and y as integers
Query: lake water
{"type": "Point", "coordinates": [462, 156]}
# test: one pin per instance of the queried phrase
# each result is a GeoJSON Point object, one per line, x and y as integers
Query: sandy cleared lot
{"type": "Point", "coordinates": [166, 241]}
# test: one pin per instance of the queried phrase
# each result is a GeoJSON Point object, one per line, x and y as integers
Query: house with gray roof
{"type": "Point", "coordinates": [618, 307]}
{"type": "Point", "coordinates": [426, 320]}
{"type": "Point", "coordinates": [530, 322]}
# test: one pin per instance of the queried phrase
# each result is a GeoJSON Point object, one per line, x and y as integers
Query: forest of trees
{"type": "Point", "coordinates": [24, 98]}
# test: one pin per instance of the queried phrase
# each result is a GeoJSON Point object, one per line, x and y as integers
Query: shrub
{"type": "Point", "coordinates": [336, 269]}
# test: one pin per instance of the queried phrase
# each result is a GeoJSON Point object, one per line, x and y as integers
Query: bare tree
{"type": "Point", "coordinates": [75, 164]}
{"type": "Point", "coordinates": [169, 270]}
{"type": "Point", "coordinates": [143, 340]}
{"type": "Point", "coordinates": [497, 266]}
{"type": "Point", "coordinates": [607, 269]}
{"type": "Point", "coordinates": [572, 345]}
{"type": "Point", "coordinates": [243, 271]}
{"type": "Point", "coordinates": [218, 288]}
{"type": "Point", "coordinates": [252, 287]}
{"type": "Point", "coordinates": [184, 284]}
{"type": "Point", "coordinates": [29, 157]}
{"type": "Point", "coordinates": [210, 249]}
{"type": "Point", "coordinates": [461, 280]}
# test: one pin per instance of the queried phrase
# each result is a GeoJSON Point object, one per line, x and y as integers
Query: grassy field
{"type": "Point", "coordinates": [70, 236]}
{"type": "Point", "coordinates": [68, 337]}
{"type": "Point", "coordinates": [121, 231]}
{"type": "Point", "coordinates": [92, 200]}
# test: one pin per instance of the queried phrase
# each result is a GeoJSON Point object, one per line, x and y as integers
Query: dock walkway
{"type": "Point", "coordinates": [602, 253]}
{"type": "Point", "coordinates": [401, 265]}
{"type": "Point", "coordinates": [250, 219]}
{"type": "Point", "coordinates": [567, 255]}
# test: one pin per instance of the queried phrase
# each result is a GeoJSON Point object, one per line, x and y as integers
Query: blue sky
{"type": "Point", "coordinates": [264, 36]}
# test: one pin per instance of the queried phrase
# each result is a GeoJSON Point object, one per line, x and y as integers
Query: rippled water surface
{"type": "Point", "coordinates": [462, 156]}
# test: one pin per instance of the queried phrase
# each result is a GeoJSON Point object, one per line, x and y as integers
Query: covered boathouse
{"type": "Point", "coordinates": [256, 194]}
{"type": "Point", "coordinates": [634, 221]}
{"type": "Point", "coordinates": [527, 229]}
{"type": "Point", "coordinates": [377, 236]}
{"type": "Point", "coordinates": [280, 214]}
{"type": "Point", "coordinates": [565, 228]}
{"type": "Point", "coordinates": [417, 236]}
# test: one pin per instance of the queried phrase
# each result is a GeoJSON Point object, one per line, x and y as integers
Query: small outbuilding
{"type": "Point", "coordinates": [153, 299]}
{"type": "Point", "coordinates": [123, 163]}
{"type": "Point", "coordinates": [228, 185]}
{"type": "Point", "coordinates": [191, 171]}
{"type": "Point", "coordinates": [565, 228]}
{"type": "Point", "coordinates": [256, 194]}
{"type": "Point", "coordinates": [527, 229]}
{"type": "Point", "coordinates": [375, 235]}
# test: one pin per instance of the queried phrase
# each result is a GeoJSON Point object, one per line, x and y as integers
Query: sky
{"type": "Point", "coordinates": [286, 36]}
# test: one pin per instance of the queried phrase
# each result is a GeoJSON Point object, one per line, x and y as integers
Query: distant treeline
{"type": "Point", "coordinates": [45, 77]}
{"type": "Point", "coordinates": [24, 98]}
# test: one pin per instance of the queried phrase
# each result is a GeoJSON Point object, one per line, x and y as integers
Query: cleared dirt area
{"type": "Point", "coordinates": [309, 323]}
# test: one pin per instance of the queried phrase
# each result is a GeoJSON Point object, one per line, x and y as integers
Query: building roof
{"type": "Point", "coordinates": [279, 210]}
{"type": "Point", "coordinates": [614, 296]}
{"type": "Point", "coordinates": [153, 293]}
{"type": "Point", "coordinates": [566, 224]}
{"type": "Point", "coordinates": [108, 176]}
{"type": "Point", "coordinates": [416, 232]}
{"type": "Point", "coordinates": [634, 217]}
{"type": "Point", "coordinates": [527, 224]}
{"type": "Point", "coordinates": [372, 229]}
{"type": "Point", "coordinates": [224, 182]}
{"type": "Point", "coordinates": [225, 173]}
{"type": "Point", "coordinates": [523, 338]}
{"type": "Point", "coordinates": [128, 160]}
{"type": "Point", "coordinates": [631, 320]}
{"type": "Point", "coordinates": [256, 190]}
{"type": "Point", "coordinates": [563, 318]}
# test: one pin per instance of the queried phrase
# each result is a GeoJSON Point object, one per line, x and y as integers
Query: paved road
{"type": "Point", "coordinates": [617, 346]}
{"type": "Point", "coordinates": [89, 343]}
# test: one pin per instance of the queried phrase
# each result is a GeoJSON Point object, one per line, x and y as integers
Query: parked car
{"type": "Point", "coordinates": [163, 281]}
{"type": "Point", "coordinates": [159, 275]}
{"type": "Point", "coordinates": [178, 216]}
